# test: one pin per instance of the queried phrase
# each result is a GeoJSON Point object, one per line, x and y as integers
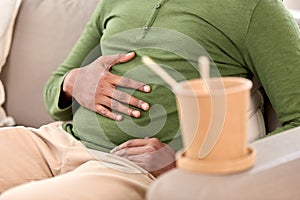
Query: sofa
{"type": "Point", "coordinates": [43, 34]}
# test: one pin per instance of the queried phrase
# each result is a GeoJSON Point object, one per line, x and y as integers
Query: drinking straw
{"type": "Point", "coordinates": [203, 65]}
{"type": "Point", "coordinates": [159, 71]}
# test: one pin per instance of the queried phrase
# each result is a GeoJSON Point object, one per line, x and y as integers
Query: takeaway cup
{"type": "Point", "coordinates": [213, 118]}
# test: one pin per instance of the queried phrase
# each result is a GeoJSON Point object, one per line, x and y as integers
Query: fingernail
{"type": "Point", "coordinates": [136, 113]}
{"type": "Point", "coordinates": [145, 106]}
{"type": "Point", "coordinates": [147, 88]}
{"type": "Point", "coordinates": [130, 53]}
{"type": "Point", "coordinates": [119, 117]}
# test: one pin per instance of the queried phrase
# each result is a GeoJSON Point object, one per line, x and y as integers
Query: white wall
{"type": "Point", "coordinates": [292, 4]}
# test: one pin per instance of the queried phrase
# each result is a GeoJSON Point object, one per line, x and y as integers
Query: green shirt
{"type": "Point", "coordinates": [243, 38]}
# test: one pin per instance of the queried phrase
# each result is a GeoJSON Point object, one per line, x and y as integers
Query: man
{"type": "Point", "coordinates": [122, 108]}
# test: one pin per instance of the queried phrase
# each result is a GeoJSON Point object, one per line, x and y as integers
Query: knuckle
{"type": "Point", "coordinates": [104, 76]}
{"type": "Point", "coordinates": [113, 116]}
{"type": "Point", "coordinates": [130, 111]}
{"type": "Point", "coordinates": [116, 58]}
{"type": "Point", "coordinates": [106, 65]}
{"type": "Point", "coordinates": [128, 143]}
{"type": "Point", "coordinates": [119, 56]}
{"type": "Point", "coordinates": [136, 102]}
{"type": "Point", "coordinates": [100, 88]}
{"type": "Point", "coordinates": [123, 152]}
{"type": "Point", "coordinates": [105, 101]}
{"type": "Point", "coordinates": [114, 105]}
{"type": "Point", "coordinates": [154, 141]}
{"type": "Point", "coordinates": [102, 111]}
{"type": "Point", "coordinates": [122, 97]}
{"type": "Point", "coordinates": [139, 103]}
{"type": "Point", "coordinates": [125, 81]}
{"type": "Point", "coordinates": [150, 148]}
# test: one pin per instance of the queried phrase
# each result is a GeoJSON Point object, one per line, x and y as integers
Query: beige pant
{"type": "Point", "coordinates": [48, 163]}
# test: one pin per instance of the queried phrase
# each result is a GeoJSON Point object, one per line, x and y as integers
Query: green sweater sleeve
{"type": "Point", "coordinates": [272, 49]}
{"type": "Point", "coordinates": [87, 43]}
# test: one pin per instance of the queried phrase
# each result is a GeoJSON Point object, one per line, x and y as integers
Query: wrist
{"type": "Point", "coordinates": [67, 85]}
{"type": "Point", "coordinates": [65, 98]}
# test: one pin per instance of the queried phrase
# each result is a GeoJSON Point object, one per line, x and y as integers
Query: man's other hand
{"type": "Point", "coordinates": [149, 153]}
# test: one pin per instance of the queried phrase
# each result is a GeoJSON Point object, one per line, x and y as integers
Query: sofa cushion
{"type": "Point", "coordinates": [8, 13]}
{"type": "Point", "coordinates": [44, 34]}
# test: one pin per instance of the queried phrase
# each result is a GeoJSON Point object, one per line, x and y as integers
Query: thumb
{"type": "Point", "coordinates": [119, 58]}
{"type": "Point", "coordinates": [126, 57]}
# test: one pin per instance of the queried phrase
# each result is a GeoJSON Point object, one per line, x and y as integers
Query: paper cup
{"type": "Point", "coordinates": [214, 124]}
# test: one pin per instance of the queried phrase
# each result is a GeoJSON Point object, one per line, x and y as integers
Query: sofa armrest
{"type": "Point", "coordinates": [275, 176]}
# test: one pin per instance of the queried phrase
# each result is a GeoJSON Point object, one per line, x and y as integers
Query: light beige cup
{"type": "Point", "coordinates": [213, 118]}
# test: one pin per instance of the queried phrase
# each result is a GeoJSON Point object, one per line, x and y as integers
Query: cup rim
{"type": "Point", "coordinates": [247, 84]}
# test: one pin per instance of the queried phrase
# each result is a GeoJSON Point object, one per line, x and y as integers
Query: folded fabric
{"type": "Point", "coordinates": [8, 13]}
{"type": "Point", "coordinates": [256, 122]}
